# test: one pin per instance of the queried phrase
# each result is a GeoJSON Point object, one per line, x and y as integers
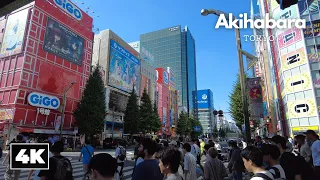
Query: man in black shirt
{"type": "Point", "coordinates": [60, 166]}
{"type": "Point", "coordinates": [288, 161]}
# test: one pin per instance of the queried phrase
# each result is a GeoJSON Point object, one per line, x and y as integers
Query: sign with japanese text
{"type": "Point", "coordinates": [302, 108]}
{"type": "Point", "coordinates": [255, 97]}
{"type": "Point", "coordinates": [289, 37]}
{"type": "Point", "coordinates": [293, 59]}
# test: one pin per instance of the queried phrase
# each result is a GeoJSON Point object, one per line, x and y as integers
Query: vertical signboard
{"type": "Point", "coordinates": [14, 33]}
{"type": "Point", "coordinates": [255, 97]}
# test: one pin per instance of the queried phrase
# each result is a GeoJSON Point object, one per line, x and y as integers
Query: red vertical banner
{"type": "Point", "coordinates": [255, 97]}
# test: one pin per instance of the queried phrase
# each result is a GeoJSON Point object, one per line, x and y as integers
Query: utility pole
{"type": "Point", "coordinates": [243, 86]}
{"type": "Point", "coordinates": [64, 106]}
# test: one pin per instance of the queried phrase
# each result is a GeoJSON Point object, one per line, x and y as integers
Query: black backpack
{"type": "Point", "coordinates": [63, 169]}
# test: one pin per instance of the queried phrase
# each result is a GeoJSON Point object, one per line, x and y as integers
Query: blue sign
{"type": "Point", "coordinates": [69, 8]}
{"type": "Point", "coordinates": [165, 77]}
{"type": "Point", "coordinates": [197, 128]}
{"type": "Point", "coordinates": [124, 71]}
{"type": "Point", "coordinates": [265, 109]}
{"type": "Point", "coordinates": [171, 117]}
{"type": "Point", "coordinates": [43, 100]}
{"type": "Point", "coordinates": [204, 99]}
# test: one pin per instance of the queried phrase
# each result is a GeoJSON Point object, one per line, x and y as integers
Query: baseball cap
{"type": "Point", "coordinates": [311, 132]}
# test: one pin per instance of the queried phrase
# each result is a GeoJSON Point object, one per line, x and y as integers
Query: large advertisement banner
{"type": "Point", "coordinates": [293, 59]}
{"type": "Point", "coordinates": [289, 37]}
{"type": "Point", "coordinates": [312, 29]}
{"type": "Point", "coordinates": [297, 83]}
{"type": "Point", "coordinates": [203, 99]}
{"type": "Point", "coordinates": [124, 71]}
{"type": "Point", "coordinates": [14, 33]}
{"type": "Point", "coordinates": [302, 108]}
{"type": "Point", "coordinates": [63, 42]}
{"type": "Point", "coordinates": [255, 97]}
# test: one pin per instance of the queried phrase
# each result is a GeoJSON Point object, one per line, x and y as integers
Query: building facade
{"type": "Point", "coordinates": [293, 65]}
{"type": "Point", "coordinates": [122, 68]}
{"type": "Point", "coordinates": [205, 110]}
{"type": "Point", "coordinates": [44, 50]}
{"type": "Point", "coordinates": [175, 48]}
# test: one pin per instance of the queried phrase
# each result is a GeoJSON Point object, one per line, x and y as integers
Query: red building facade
{"type": "Point", "coordinates": [55, 51]}
{"type": "Point", "coordinates": [163, 101]}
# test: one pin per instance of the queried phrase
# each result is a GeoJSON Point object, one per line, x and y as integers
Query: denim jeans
{"type": "Point", "coordinates": [237, 175]}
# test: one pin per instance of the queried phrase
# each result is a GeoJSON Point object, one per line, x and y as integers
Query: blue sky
{"type": "Point", "coordinates": [217, 63]}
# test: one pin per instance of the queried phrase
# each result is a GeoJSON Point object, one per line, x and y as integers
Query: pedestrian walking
{"type": "Point", "coordinates": [189, 163]}
{"type": "Point", "coordinates": [169, 163]}
{"type": "Point", "coordinates": [121, 156]}
{"type": "Point", "coordinates": [85, 155]}
{"type": "Point", "coordinates": [253, 162]}
{"type": "Point", "coordinates": [315, 148]}
{"type": "Point", "coordinates": [149, 168]}
{"type": "Point", "coordinates": [214, 168]}
{"type": "Point", "coordinates": [271, 155]}
{"type": "Point", "coordinates": [12, 174]}
{"type": "Point", "coordinates": [102, 167]}
{"type": "Point", "coordinates": [60, 166]}
{"type": "Point", "coordinates": [235, 165]}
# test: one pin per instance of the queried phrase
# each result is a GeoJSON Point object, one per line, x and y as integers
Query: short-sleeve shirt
{"type": "Point", "coordinates": [315, 148]}
{"type": "Point", "coordinates": [190, 164]}
{"type": "Point", "coordinates": [290, 165]}
{"type": "Point", "coordinates": [86, 156]}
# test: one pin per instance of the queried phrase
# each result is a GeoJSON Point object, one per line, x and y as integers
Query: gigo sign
{"type": "Point", "coordinates": [43, 100]}
{"type": "Point", "coordinates": [69, 8]}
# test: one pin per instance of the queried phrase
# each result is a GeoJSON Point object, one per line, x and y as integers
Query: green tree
{"type": "Point", "coordinates": [235, 103]}
{"type": "Point", "coordinates": [132, 114]}
{"type": "Point", "coordinates": [222, 132]}
{"type": "Point", "coordinates": [146, 113]}
{"type": "Point", "coordinates": [215, 131]}
{"type": "Point", "coordinates": [91, 110]}
{"type": "Point", "coordinates": [182, 124]}
{"type": "Point", "coordinates": [156, 122]}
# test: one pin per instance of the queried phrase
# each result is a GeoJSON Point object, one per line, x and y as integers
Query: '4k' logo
{"type": "Point", "coordinates": [29, 156]}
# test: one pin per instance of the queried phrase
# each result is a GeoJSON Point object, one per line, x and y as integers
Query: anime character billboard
{"type": "Point", "coordinates": [124, 71]}
{"type": "Point", "coordinates": [14, 33]}
{"type": "Point", "coordinates": [62, 42]}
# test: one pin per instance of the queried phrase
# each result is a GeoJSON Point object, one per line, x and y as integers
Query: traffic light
{"type": "Point", "coordinates": [215, 112]}
{"type": "Point", "coordinates": [286, 3]}
{"type": "Point", "coordinates": [220, 113]}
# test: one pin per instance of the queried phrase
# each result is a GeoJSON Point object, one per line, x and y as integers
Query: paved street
{"type": "Point", "coordinates": [77, 166]}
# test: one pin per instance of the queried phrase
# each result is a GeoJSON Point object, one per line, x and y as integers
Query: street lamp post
{"type": "Point", "coordinates": [240, 52]}
{"type": "Point", "coordinates": [64, 106]}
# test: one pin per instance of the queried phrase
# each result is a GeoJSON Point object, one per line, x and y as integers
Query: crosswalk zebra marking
{"type": "Point", "coordinates": [78, 172]}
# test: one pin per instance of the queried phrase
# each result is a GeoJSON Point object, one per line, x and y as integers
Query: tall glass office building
{"type": "Point", "coordinates": [175, 48]}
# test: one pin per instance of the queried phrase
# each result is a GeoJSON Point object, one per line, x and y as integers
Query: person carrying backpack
{"type": "Point", "coordinates": [86, 154]}
{"type": "Point", "coordinates": [60, 166]}
{"type": "Point", "coordinates": [253, 161]}
{"type": "Point", "coordinates": [121, 155]}
{"type": "Point", "coordinates": [271, 154]}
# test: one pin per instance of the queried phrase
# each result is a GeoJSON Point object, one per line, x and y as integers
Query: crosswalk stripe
{"type": "Point", "coordinates": [78, 172]}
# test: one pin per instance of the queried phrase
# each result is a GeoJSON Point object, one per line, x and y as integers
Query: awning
{"type": "Point", "coordinates": [116, 124]}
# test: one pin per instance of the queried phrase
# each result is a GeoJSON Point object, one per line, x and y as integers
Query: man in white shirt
{"type": "Point", "coordinates": [189, 163]}
{"type": "Point", "coordinates": [305, 150]}
{"type": "Point", "coordinates": [271, 154]}
{"type": "Point", "coordinates": [120, 161]}
{"type": "Point", "coordinates": [195, 149]}
{"type": "Point", "coordinates": [315, 148]}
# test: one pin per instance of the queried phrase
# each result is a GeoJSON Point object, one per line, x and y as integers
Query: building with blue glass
{"type": "Point", "coordinates": [175, 48]}
{"type": "Point", "coordinates": [205, 110]}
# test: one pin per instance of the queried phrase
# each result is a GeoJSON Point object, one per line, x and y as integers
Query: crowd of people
{"type": "Point", "coordinates": [265, 159]}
